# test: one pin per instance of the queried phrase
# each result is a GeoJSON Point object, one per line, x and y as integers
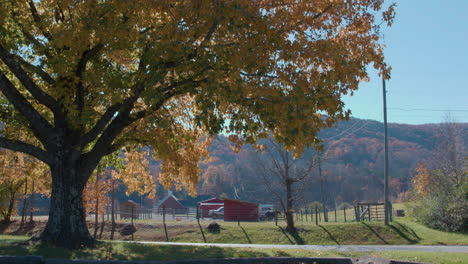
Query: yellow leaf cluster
{"type": "Point", "coordinates": [421, 180]}
{"type": "Point", "coordinates": [96, 193]}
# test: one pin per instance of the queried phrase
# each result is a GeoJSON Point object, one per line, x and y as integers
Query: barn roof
{"type": "Point", "coordinates": [161, 202]}
{"type": "Point", "coordinates": [130, 202]}
{"type": "Point", "coordinates": [239, 202]}
{"type": "Point", "coordinates": [212, 200]}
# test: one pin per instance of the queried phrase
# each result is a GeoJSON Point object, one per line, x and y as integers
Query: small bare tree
{"type": "Point", "coordinates": [281, 174]}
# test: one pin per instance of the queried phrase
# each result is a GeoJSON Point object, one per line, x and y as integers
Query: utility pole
{"type": "Point", "coordinates": [386, 201]}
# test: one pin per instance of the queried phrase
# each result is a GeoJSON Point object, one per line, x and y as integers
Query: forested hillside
{"type": "Point", "coordinates": [352, 164]}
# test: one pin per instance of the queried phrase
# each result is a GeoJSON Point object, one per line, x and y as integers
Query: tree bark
{"type": "Point", "coordinates": [96, 209]}
{"type": "Point", "coordinates": [11, 205]}
{"type": "Point", "coordinates": [25, 204]}
{"type": "Point", "coordinates": [289, 207]}
{"type": "Point", "coordinates": [31, 205]}
{"type": "Point", "coordinates": [112, 210]}
{"type": "Point", "coordinates": [66, 226]}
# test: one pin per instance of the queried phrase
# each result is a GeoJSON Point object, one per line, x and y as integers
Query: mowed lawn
{"type": "Point", "coordinates": [19, 245]}
{"type": "Point", "coordinates": [402, 231]}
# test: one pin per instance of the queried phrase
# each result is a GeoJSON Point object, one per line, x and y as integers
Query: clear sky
{"type": "Point", "coordinates": [427, 47]}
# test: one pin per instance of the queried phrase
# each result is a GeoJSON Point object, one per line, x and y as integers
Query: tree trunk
{"type": "Point", "coordinates": [96, 209]}
{"type": "Point", "coordinates": [112, 210]}
{"type": "Point", "coordinates": [11, 205]}
{"type": "Point", "coordinates": [289, 207]}
{"type": "Point", "coordinates": [102, 226]}
{"type": "Point", "coordinates": [322, 191]}
{"type": "Point", "coordinates": [25, 204]}
{"type": "Point", "coordinates": [31, 205]}
{"type": "Point", "coordinates": [66, 226]}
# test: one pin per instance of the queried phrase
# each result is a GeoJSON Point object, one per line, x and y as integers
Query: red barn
{"type": "Point", "coordinates": [172, 205]}
{"type": "Point", "coordinates": [235, 210]}
{"type": "Point", "coordinates": [128, 208]}
{"type": "Point", "coordinates": [210, 204]}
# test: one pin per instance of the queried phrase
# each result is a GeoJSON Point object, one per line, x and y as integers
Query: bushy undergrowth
{"type": "Point", "coordinates": [446, 211]}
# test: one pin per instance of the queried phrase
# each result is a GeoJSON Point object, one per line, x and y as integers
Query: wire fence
{"type": "Point", "coordinates": [312, 214]}
{"type": "Point", "coordinates": [165, 223]}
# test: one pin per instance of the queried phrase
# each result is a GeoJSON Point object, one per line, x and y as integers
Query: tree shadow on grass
{"type": "Point", "coordinates": [13, 249]}
{"type": "Point", "coordinates": [295, 235]}
{"type": "Point", "coordinates": [145, 252]}
{"type": "Point", "coordinates": [126, 251]}
{"type": "Point", "coordinates": [286, 235]}
{"type": "Point", "coordinates": [403, 235]}
{"type": "Point", "coordinates": [375, 233]}
{"type": "Point", "coordinates": [26, 228]}
{"type": "Point", "coordinates": [4, 226]}
{"type": "Point", "coordinates": [246, 235]}
{"type": "Point", "coordinates": [407, 229]}
{"type": "Point", "coordinates": [329, 234]}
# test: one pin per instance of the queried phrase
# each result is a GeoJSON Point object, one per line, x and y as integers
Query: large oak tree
{"type": "Point", "coordinates": [86, 78]}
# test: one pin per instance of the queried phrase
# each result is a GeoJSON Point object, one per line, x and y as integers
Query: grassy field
{"type": "Point", "coordinates": [402, 231]}
{"type": "Point", "coordinates": [428, 236]}
{"type": "Point", "coordinates": [18, 245]}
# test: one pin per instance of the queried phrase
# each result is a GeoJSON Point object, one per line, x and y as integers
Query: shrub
{"type": "Point", "coordinates": [214, 228]}
{"type": "Point", "coordinates": [446, 211]}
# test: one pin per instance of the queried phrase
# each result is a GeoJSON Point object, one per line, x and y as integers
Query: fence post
{"type": "Point", "coordinates": [238, 218]}
{"type": "Point", "coordinates": [335, 214]}
{"type": "Point", "coordinates": [319, 215]}
{"type": "Point", "coordinates": [316, 215]}
{"type": "Point", "coordinates": [325, 214]}
{"type": "Point", "coordinates": [369, 212]}
{"type": "Point", "coordinates": [276, 217]}
{"type": "Point", "coordinates": [164, 222]}
{"type": "Point", "coordinates": [199, 226]}
{"type": "Point", "coordinates": [390, 206]}
{"type": "Point", "coordinates": [344, 213]}
{"type": "Point", "coordinates": [356, 217]}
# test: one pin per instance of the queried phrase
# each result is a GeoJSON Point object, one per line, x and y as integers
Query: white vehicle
{"type": "Point", "coordinates": [266, 212]}
{"type": "Point", "coordinates": [217, 213]}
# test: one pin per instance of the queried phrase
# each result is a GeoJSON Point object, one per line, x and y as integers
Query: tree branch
{"type": "Point", "coordinates": [26, 148]}
{"type": "Point", "coordinates": [39, 124]}
{"type": "Point", "coordinates": [29, 84]}
{"type": "Point", "coordinates": [100, 125]}
{"type": "Point", "coordinates": [87, 55]}
{"type": "Point", "coordinates": [37, 19]}
{"type": "Point", "coordinates": [35, 69]}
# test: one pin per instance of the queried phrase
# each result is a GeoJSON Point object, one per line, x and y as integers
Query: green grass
{"type": "Point", "coordinates": [403, 231]}
{"type": "Point", "coordinates": [16, 245]}
{"type": "Point", "coordinates": [426, 235]}
{"type": "Point", "coordinates": [326, 234]}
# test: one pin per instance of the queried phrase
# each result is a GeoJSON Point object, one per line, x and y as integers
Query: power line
{"type": "Point", "coordinates": [427, 109]}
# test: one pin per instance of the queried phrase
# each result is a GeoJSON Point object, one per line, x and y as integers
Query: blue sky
{"type": "Point", "coordinates": [427, 47]}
